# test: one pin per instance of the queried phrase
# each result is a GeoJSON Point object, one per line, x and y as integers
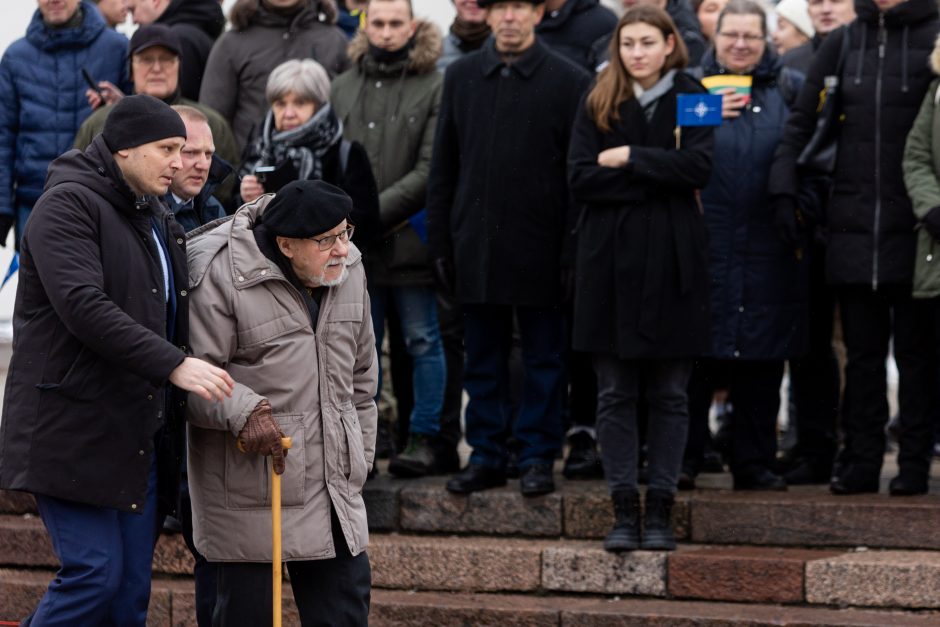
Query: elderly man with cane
{"type": "Point", "coordinates": [279, 301]}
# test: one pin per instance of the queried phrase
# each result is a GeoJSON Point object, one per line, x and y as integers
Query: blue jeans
{"type": "Point", "coordinates": [538, 425]}
{"type": "Point", "coordinates": [106, 558]}
{"type": "Point", "coordinates": [417, 310]}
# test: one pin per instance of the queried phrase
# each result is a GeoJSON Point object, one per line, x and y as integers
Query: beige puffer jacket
{"type": "Point", "coordinates": [247, 318]}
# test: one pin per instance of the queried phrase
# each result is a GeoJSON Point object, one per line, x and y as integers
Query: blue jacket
{"type": "Point", "coordinates": [758, 286]}
{"type": "Point", "coordinates": [42, 98]}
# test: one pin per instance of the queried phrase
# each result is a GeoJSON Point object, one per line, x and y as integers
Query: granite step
{"type": "Point", "coordinates": [172, 604]}
{"type": "Point", "coordinates": [487, 564]}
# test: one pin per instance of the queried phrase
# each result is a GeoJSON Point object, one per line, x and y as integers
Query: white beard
{"type": "Point", "coordinates": [322, 281]}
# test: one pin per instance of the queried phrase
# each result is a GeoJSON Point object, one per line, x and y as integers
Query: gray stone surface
{"type": "Point", "coordinates": [908, 579]}
{"type": "Point", "coordinates": [587, 567]}
{"type": "Point", "coordinates": [428, 507]}
{"type": "Point", "coordinates": [465, 564]}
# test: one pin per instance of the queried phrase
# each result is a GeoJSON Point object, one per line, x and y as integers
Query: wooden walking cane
{"type": "Point", "coordinates": [276, 536]}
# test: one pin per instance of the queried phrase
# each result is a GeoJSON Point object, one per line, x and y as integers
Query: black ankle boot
{"type": "Point", "coordinates": [625, 536]}
{"type": "Point", "coordinates": [657, 521]}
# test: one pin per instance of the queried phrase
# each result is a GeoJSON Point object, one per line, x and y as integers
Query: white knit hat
{"type": "Point", "coordinates": [797, 13]}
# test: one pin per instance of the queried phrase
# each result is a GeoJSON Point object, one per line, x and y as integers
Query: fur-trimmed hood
{"type": "Point", "coordinates": [427, 49]}
{"type": "Point", "coordinates": [248, 12]}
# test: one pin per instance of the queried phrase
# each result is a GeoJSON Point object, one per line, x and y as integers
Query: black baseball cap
{"type": "Point", "coordinates": [155, 35]}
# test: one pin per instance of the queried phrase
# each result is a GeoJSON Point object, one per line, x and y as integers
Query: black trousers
{"type": "Point", "coordinates": [869, 321]}
{"type": "Point", "coordinates": [328, 593]}
{"type": "Point", "coordinates": [754, 392]}
{"type": "Point", "coordinates": [814, 378]}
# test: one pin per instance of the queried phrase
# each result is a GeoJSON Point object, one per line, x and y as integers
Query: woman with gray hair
{"type": "Point", "coordinates": [302, 139]}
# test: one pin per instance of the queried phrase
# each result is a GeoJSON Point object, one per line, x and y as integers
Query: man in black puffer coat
{"type": "Point", "coordinates": [870, 255]}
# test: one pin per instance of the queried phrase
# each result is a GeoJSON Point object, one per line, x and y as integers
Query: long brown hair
{"type": "Point", "coordinates": [614, 84]}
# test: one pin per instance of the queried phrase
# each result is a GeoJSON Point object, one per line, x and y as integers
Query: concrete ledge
{"type": "Point", "coordinates": [748, 574]}
{"type": "Point", "coordinates": [587, 567]}
{"type": "Point", "coordinates": [463, 564]}
{"type": "Point", "coordinates": [908, 579]}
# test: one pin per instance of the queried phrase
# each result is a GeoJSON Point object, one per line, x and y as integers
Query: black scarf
{"type": "Point", "coordinates": [389, 57]}
{"type": "Point", "coordinates": [304, 146]}
{"type": "Point", "coordinates": [267, 244]}
{"type": "Point", "coordinates": [471, 34]}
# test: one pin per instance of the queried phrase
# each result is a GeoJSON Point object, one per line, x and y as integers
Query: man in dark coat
{"type": "Point", "coordinates": [814, 378]}
{"type": "Point", "coordinates": [570, 27]}
{"type": "Point", "coordinates": [42, 97]}
{"type": "Point", "coordinates": [872, 236]}
{"type": "Point", "coordinates": [92, 414]}
{"type": "Point", "coordinates": [499, 226]}
{"type": "Point", "coordinates": [197, 23]}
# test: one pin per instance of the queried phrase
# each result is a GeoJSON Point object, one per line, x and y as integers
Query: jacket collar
{"type": "Point", "coordinates": [525, 64]}
{"type": "Point", "coordinates": [48, 39]}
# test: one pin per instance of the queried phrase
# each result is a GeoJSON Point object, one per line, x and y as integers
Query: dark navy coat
{"type": "Point", "coordinates": [42, 98]}
{"type": "Point", "coordinates": [758, 286]}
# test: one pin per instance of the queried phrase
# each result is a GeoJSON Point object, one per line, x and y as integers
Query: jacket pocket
{"type": "Point", "coordinates": [82, 381]}
{"type": "Point", "coordinates": [356, 470]}
{"type": "Point", "coordinates": [248, 476]}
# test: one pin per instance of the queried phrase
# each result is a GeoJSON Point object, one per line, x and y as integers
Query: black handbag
{"type": "Point", "coordinates": [819, 154]}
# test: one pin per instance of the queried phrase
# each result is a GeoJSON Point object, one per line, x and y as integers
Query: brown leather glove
{"type": "Point", "coordinates": [262, 435]}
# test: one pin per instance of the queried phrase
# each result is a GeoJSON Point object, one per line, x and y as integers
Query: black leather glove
{"type": "Point", "coordinates": [6, 223]}
{"type": "Point", "coordinates": [262, 435]}
{"type": "Point", "coordinates": [787, 221]}
{"type": "Point", "coordinates": [932, 222]}
{"type": "Point", "coordinates": [444, 275]}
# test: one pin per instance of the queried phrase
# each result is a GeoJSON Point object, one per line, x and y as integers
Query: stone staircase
{"type": "Point", "coordinates": [800, 558]}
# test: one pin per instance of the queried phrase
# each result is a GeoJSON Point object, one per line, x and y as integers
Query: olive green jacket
{"type": "Point", "coordinates": [392, 111]}
{"type": "Point", "coordinates": [922, 178]}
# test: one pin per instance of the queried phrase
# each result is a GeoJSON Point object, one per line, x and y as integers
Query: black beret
{"type": "Point", "coordinates": [138, 120]}
{"type": "Point", "coordinates": [485, 3]}
{"type": "Point", "coordinates": [306, 209]}
{"type": "Point", "coordinates": [155, 35]}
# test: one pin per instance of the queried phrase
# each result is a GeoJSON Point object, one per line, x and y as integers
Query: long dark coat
{"type": "Point", "coordinates": [87, 387]}
{"type": "Point", "coordinates": [498, 201]}
{"type": "Point", "coordinates": [758, 286]}
{"type": "Point", "coordinates": [642, 282]}
{"type": "Point", "coordinates": [871, 222]}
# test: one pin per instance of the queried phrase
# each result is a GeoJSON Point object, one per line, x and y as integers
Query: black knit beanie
{"type": "Point", "coordinates": [306, 209]}
{"type": "Point", "coordinates": [138, 120]}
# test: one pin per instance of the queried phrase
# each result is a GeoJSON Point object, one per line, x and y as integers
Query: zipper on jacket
{"type": "Point", "coordinates": [882, 37]}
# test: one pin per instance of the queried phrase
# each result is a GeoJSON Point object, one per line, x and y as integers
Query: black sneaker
{"type": "Point", "coordinates": [537, 480]}
{"type": "Point", "coordinates": [475, 478]}
{"type": "Point", "coordinates": [417, 460]}
{"type": "Point", "coordinates": [583, 461]}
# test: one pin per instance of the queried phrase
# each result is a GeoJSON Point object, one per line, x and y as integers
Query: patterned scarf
{"type": "Point", "coordinates": [304, 146]}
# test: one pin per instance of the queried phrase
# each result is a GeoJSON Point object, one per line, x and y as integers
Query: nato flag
{"type": "Point", "coordinates": [698, 110]}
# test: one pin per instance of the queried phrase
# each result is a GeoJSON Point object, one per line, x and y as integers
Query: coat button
{"type": "Point", "coordinates": [737, 353]}
{"type": "Point", "coordinates": [286, 35]}
{"type": "Point", "coordinates": [756, 109]}
{"type": "Point", "coordinates": [140, 452]}
{"type": "Point", "coordinates": [929, 257]}
{"type": "Point", "coordinates": [150, 397]}
{"type": "Point", "coordinates": [183, 293]}
{"type": "Point", "coordinates": [154, 290]}
{"type": "Point", "coordinates": [133, 505]}
{"type": "Point", "coordinates": [264, 272]}
{"type": "Point", "coordinates": [741, 309]}
{"type": "Point", "coordinates": [378, 84]}
{"type": "Point", "coordinates": [371, 124]}
{"type": "Point", "coordinates": [179, 240]}
{"type": "Point", "coordinates": [183, 348]}
{"type": "Point", "coordinates": [241, 279]}
{"type": "Point", "coordinates": [504, 72]}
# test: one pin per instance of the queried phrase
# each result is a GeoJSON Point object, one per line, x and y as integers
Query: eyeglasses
{"type": "Point", "coordinates": [326, 243]}
{"type": "Point", "coordinates": [748, 39]}
{"type": "Point", "coordinates": [150, 61]}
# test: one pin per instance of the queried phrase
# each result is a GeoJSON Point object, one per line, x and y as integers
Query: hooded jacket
{"type": "Point", "coordinates": [392, 111]}
{"type": "Point", "coordinates": [197, 23]}
{"type": "Point", "coordinates": [759, 288]}
{"type": "Point", "coordinates": [87, 389]}
{"type": "Point", "coordinates": [42, 97]}
{"type": "Point", "coordinates": [871, 224]}
{"type": "Point", "coordinates": [572, 29]}
{"type": "Point", "coordinates": [248, 318]}
{"type": "Point", "coordinates": [922, 179]}
{"type": "Point", "coordinates": [242, 59]}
